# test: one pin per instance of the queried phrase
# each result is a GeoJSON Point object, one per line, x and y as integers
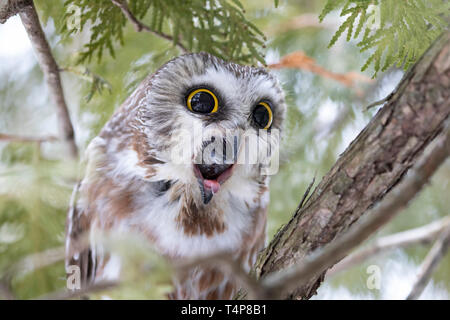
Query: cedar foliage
{"type": "Point", "coordinates": [217, 26]}
{"type": "Point", "coordinates": [398, 31]}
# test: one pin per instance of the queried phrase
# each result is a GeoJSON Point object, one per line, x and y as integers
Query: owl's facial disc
{"type": "Point", "coordinates": [210, 177]}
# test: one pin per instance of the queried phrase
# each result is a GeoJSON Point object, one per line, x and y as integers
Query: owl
{"type": "Point", "coordinates": [183, 163]}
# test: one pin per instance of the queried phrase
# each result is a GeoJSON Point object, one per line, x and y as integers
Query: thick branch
{"type": "Point", "coordinates": [372, 165]}
{"type": "Point", "coordinates": [48, 65]}
{"type": "Point", "coordinates": [139, 26]}
{"type": "Point", "coordinates": [9, 8]}
{"type": "Point", "coordinates": [422, 235]}
{"type": "Point", "coordinates": [430, 264]}
{"type": "Point", "coordinates": [396, 200]}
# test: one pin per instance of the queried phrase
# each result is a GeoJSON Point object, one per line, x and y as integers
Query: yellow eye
{"type": "Point", "coordinates": [262, 115]}
{"type": "Point", "coordinates": [202, 101]}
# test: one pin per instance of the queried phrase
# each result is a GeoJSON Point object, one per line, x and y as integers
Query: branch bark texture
{"type": "Point", "coordinates": [372, 165]}
{"type": "Point", "coordinates": [9, 8]}
{"type": "Point", "coordinates": [319, 261]}
{"type": "Point", "coordinates": [50, 68]}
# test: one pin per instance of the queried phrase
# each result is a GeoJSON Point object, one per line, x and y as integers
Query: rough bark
{"type": "Point", "coordinates": [278, 284]}
{"type": "Point", "coordinates": [370, 167]}
{"type": "Point", "coordinates": [9, 8]}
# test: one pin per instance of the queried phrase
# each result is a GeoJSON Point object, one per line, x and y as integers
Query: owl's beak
{"type": "Point", "coordinates": [210, 177]}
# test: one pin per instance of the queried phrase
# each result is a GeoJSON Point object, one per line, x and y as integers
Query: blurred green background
{"type": "Point", "coordinates": [324, 116]}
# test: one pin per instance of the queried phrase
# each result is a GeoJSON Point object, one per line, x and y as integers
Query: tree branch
{"type": "Point", "coordinates": [48, 65]}
{"type": "Point", "coordinates": [319, 261]}
{"type": "Point", "coordinates": [422, 235]}
{"type": "Point", "coordinates": [66, 294]}
{"type": "Point", "coordinates": [306, 20]}
{"type": "Point", "coordinates": [9, 8]}
{"type": "Point", "coordinates": [139, 26]}
{"type": "Point", "coordinates": [228, 265]}
{"type": "Point", "coordinates": [26, 266]}
{"type": "Point", "coordinates": [430, 264]}
{"type": "Point", "coordinates": [16, 138]}
{"type": "Point", "coordinates": [33, 262]}
{"type": "Point", "coordinates": [377, 103]}
{"type": "Point", "coordinates": [299, 60]}
{"type": "Point", "coordinates": [373, 164]}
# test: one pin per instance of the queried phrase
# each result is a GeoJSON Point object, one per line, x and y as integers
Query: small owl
{"type": "Point", "coordinates": [183, 163]}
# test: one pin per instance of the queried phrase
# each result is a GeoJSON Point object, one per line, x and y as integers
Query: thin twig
{"type": "Point", "coordinates": [34, 262]}
{"type": "Point", "coordinates": [307, 20]}
{"type": "Point", "coordinates": [226, 264]}
{"type": "Point", "coordinates": [307, 192]}
{"type": "Point", "coordinates": [17, 138]}
{"type": "Point", "coordinates": [422, 235]}
{"type": "Point", "coordinates": [222, 260]}
{"type": "Point", "coordinates": [430, 264]}
{"type": "Point", "coordinates": [73, 294]}
{"type": "Point", "coordinates": [382, 101]}
{"type": "Point", "coordinates": [26, 266]}
{"type": "Point", "coordinates": [299, 60]}
{"type": "Point", "coordinates": [139, 26]}
{"type": "Point", "coordinates": [50, 68]}
{"type": "Point", "coordinates": [281, 282]}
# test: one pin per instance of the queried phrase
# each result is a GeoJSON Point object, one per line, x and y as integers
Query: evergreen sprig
{"type": "Point", "coordinates": [398, 31]}
{"type": "Point", "coordinates": [215, 26]}
{"type": "Point", "coordinates": [98, 84]}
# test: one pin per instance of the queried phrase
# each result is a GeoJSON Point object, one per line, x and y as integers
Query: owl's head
{"type": "Point", "coordinates": [209, 122]}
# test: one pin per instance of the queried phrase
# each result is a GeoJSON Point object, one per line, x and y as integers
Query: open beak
{"type": "Point", "coordinates": [210, 177]}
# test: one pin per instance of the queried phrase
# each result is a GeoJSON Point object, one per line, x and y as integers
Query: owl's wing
{"type": "Point", "coordinates": [78, 252]}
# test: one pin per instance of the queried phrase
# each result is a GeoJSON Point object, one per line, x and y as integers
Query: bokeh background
{"type": "Point", "coordinates": [324, 116]}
